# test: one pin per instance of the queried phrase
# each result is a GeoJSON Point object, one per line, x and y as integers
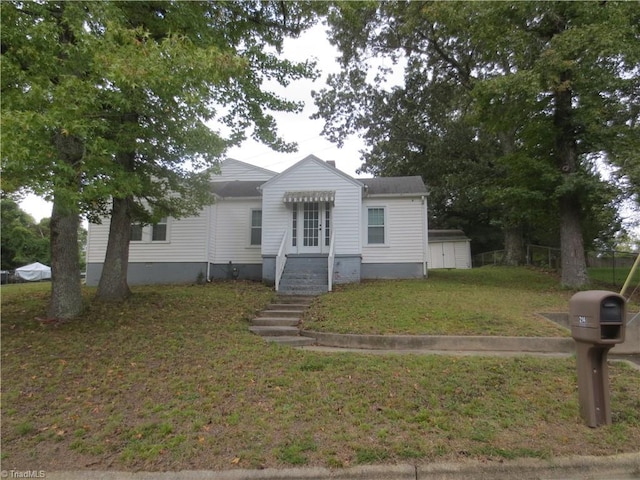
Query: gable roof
{"type": "Point", "coordinates": [412, 185]}
{"type": "Point", "coordinates": [248, 166]}
{"type": "Point", "coordinates": [317, 161]}
{"type": "Point", "coordinates": [447, 235]}
{"type": "Point", "coordinates": [237, 188]}
{"type": "Point", "coordinates": [378, 186]}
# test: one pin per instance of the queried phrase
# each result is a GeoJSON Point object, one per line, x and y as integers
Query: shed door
{"type": "Point", "coordinates": [442, 255]}
{"type": "Point", "coordinates": [448, 255]}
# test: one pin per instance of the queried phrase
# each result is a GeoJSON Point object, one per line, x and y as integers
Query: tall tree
{"type": "Point", "coordinates": [543, 77]}
{"type": "Point", "coordinates": [105, 106]}
{"type": "Point", "coordinates": [23, 240]}
{"type": "Point", "coordinates": [255, 33]}
{"type": "Point", "coordinates": [43, 146]}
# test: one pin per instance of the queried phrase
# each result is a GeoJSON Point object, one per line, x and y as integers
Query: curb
{"type": "Point", "coordinates": [631, 344]}
{"type": "Point", "coordinates": [617, 467]}
{"type": "Point", "coordinates": [444, 342]}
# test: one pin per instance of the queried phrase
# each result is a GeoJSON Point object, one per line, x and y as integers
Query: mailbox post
{"type": "Point", "coordinates": [597, 324]}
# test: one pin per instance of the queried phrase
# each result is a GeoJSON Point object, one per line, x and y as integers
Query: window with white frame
{"type": "Point", "coordinates": [327, 224]}
{"type": "Point", "coordinates": [256, 227]}
{"type": "Point", "coordinates": [135, 234]}
{"type": "Point", "coordinates": [294, 226]}
{"type": "Point", "coordinates": [159, 231]}
{"type": "Point", "coordinates": [375, 225]}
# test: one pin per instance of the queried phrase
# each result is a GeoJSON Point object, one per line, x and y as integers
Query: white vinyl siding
{"type": "Point", "coordinates": [462, 251]}
{"type": "Point", "coordinates": [311, 174]}
{"type": "Point", "coordinates": [231, 229]}
{"type": "Point", "coordinates": [186, 242]}
{"type": "Point", "coordinates": [404, 227]}
{"type": "Point", "coordinates": [234, 170]}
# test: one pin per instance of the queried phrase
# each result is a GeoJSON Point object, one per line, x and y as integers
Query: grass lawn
{"type": "Point", "coordinates": [484, 301]}
{"type": "Point", "coordinates": [173, 380]}
{"type": "Point", "coordinates": [615, 277]}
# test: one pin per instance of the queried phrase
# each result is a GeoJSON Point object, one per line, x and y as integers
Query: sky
{"type": "Point", "coordinates": [299, 128]}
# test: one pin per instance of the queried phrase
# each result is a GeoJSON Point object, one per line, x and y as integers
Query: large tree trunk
{"type": "Point", "coordinates": [66, 291]}
{"type": "Point", "coordinates": [574, 264]}
{"type": "Point", "coordinates": [113, 284]}
{"type": "Point", "coordinates": [514, 250]}
{"type": "Point", "coordinates": [515, 253]}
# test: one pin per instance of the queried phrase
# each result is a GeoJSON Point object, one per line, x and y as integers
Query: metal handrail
{"type": "Point", "coordinates": [330, 261]}
{"type": "Point", "coordinates": [281, 259]}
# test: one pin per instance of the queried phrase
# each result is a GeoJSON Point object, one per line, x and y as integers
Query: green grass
{"type": "Point", "coordinates": [614, 279]}
{"type": "Point", "coordinates": [485, 301]}
{"type": "Point", "coordinates": [172, 379]}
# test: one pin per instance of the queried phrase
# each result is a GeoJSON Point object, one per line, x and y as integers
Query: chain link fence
{"type": "Point", "coordinates": [610, 267]}
{"type": "Point", "coordinates": [539, 256]}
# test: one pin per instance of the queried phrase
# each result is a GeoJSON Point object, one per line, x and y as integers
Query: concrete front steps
{"type": "Point", "coordinates": [305, 275]}
{"type": "Point", "coordinates": [279, 322]}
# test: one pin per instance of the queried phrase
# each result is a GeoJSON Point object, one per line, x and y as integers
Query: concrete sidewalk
{"type": "Point", "coordinates": [618, 467]}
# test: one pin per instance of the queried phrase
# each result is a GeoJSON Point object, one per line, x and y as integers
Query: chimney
{"type": "Point", "coordinates": [332, 163]}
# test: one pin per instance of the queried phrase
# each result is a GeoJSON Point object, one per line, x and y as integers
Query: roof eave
{"type": "Point", "coordinates": [396, 195]}
{"type": "Point", "coordinates": [239, 198]}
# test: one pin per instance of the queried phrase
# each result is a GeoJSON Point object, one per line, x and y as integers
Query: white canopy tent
{"type": "Point", "coordinates": [34, 272]}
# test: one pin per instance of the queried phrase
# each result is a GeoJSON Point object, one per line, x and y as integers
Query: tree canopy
{"type": "Point", "coordinates": [507, 110]}
{"type": "Point", "coordinates": [107, 106]}
{"type": "Point", "coordinates": [23, 240]}
{"type": "Point", "coordinates": [141, 75]}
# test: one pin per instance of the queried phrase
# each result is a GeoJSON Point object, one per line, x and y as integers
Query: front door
{"type": "Point", "coordinates": [311, 227]}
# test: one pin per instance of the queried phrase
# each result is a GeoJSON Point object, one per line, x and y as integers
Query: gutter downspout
{"type": "Point", "coordinates": [208, 249]}
{"type": "Point", "coordinates": [425, 236]}
{"type": "Point", "coordinates": [87, 251]}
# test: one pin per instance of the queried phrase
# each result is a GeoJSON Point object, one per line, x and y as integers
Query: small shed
{"type": "Point", "coordinates": [34, 272]}
{"type": "Point", "coordinates": [449, 249]}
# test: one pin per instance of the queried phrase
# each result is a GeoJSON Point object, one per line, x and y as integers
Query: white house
{"type": "Point", "coordinates": [307, 228]}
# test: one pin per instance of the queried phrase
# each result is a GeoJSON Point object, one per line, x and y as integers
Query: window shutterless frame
{"type": "Point", "coordinates": [376, 226]}
{"type": "Point", "coordinates": [255, 235]}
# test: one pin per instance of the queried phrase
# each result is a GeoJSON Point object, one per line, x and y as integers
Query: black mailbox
{"type": "Point", "coordinates": [597, 317]}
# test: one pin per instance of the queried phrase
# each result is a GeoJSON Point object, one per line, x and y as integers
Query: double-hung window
{"type": "Point", "coordinates": [256, 227]}
{"type": "Point", "coordinates": [375, 226]}
{"type": "Point", "coordinates": [159, 231]}
{"type": "Point", "coordinates": [135, 234]}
